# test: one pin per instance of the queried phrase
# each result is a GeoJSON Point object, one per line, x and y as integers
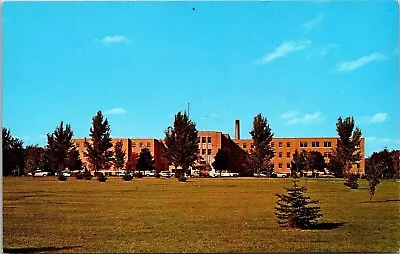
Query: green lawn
{"type": "Point", "coordinates": [202, 215]}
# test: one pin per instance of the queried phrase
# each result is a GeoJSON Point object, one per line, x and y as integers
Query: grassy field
{"type": "Point", "coordinates": [202, 215]}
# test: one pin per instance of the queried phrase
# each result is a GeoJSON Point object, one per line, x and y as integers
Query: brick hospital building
{"type": "Point", "coordinates": [238, 149]}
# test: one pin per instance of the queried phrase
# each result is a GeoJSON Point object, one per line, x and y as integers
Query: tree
{"type": "Point", "coordinates": [59, 145]}
{"type": "Point", "coordinates": [13, 154]}
{"type": "Point", "coordinates": [293, 209]}
{"type": "Point", "coordinates": [221, 161]}
{"type": "Point", "coordinates": [145, 161]}
{"type": "Point", "coordinates": [181, 143]}
{"type": "Point", "coordinates": [299, 163]}
{"type": "Point", "coordinates": [347, 149]}
{"type": "Point", "coordinates": [119, 155]}
{"type": "Point", "coordinates": [396, 162]}
{"type": "Point", "coordinates": [335, 165]}
{"type": "Point", "coordinates": [316, 161]}
{"type": "Point", "coordinates": [262, 153]}
{"type": "Point", "coordinates": [34, 158]}
{"type": "Point", "coordinates": [130, 165]}
{"type": "Point", "coordinates": [74, 161]}
{"type": "Point", "coordinates": [98, 150]}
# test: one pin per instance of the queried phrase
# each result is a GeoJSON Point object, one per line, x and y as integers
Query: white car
{"type": "Point", "coordinates": [65, 173]}
{"type": "Point", "coordinates": [280, 175]}
{"type": "Point", "coordinates": [39, 173]}
{"type": "Point", "coordinates": [149, 173]}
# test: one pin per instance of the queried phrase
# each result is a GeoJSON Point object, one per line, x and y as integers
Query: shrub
{"type": "Point", "coordinates": [157, 175]}
{"type": "Point", "coordinates": [101, 177]}
{"type": "Point", "coordinates": [352, 181]}
{"type": "Point", "coordinates": [61, 177]}
{"type": "Point", "coordinates": [182, 179]}
{"type": "Point", "coordinates": [293, 210]}
{"type": "Point", "coordinates": [127, 177]}
{"type": "Point", "coordinates": [138, 175]}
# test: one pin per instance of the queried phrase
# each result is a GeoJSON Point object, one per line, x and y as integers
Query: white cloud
{"type": "Point", "coordinates": [289, 115]}
{"type": "Point", "coordinates": [306, 119]}
{"type": "Point", "coordinates": [42, 136]}
{"type": "Point", "coordinates": [378, 118]}
{"type": "Point", "coordinates": [115, 111]}
{"type": "Point", "coordinates": [114, 39]}
{"type": "Point", "coordinates": [353, 65]}
{"type": "Point", "coordinates": [283, 50]}
{"type": "Point", "coordinates": [308, 25]}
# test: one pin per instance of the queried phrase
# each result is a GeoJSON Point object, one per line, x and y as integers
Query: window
{"type": "Point", "coordinates": [134, 144]}
{"type": "Point", "coordinates": [209, 151]}
{"type": "Point", "coordinates": [198, 151]}
{"type": "Point", "coordinates": [252, 145]}
{"type": "Point", "coordinates": [280, 165]}
{"type": "Point", "coordinates": [280, 154]}
{"type": "Point", "coordinates": [303, 144]}
{"type": "Point", "coordinates": [288, 144]}
{"type": "Point", "coordinates": [209, 139]}
{"type": "Point", "coordinates": [141, 144]}
{"type": "Point", "coordinates": [244, 145]}
{"type": "Point", "coordinates": [198, 139]}
{"type": "Point", "coordinates": [272, 144]}
{"type": "Point", "coordinates": [280, 144]}
{"type": "Point", "coordinates": [358, 165]}
{"type": "Point", "coordinates": [287, 165]}
{"type": "Point", "coordinates": [327, 155]}
{"type": "Point", "coordinates": [315, 144]}
{"type": "Point", "coordinates": [237, 144]}
{"type": "Point", "coordinates": [203, 139]}
{"type": "Point", "coordinates": [203, 151]}
{"type": "Point", "coordinates": [288, 155]}
{"type": "Point", "coordinates": [272, 165]}
{"type": "Point", "coordinates": [327, 144]}
{"type": "Point", "coordinates": [148, 144]}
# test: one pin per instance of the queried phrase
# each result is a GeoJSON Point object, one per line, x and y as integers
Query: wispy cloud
{"type": "Point", "coordinates": [377, 140]}
{"type": "Point", "coordinates": [322, 51]}
{"type": "Point", "coordinates": [42, 136]}
{"type": "Point", "coordinates": [114, 39]}
{"type": "Point", "coordinates": [115, 111]}
{"type": "Point", "coordinates": [353, 65]}
{"type": "Point", "coordinates": [283, 50]}
{"type": "Point", "coordinates": [310, 24]}
{"type": "Point", "coordinates": [306, 119]}
{"type": "Point", "coordinates": [377, 118]}
{"type": "Point", "coordinates": [289, 115]}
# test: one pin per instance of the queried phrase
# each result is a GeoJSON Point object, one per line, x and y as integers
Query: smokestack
{"type": "Point", "coordinates": [237, 129]}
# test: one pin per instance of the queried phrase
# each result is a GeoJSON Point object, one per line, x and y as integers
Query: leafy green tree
{"type": "Point", "coordinates": [145, 161]}
{"type": "Point", "coordinates": [98, 150]}
{"type": "Point", "coordinates": [59, 145]}
{"type": "Point", "coordinates": [294, 210]}
{"type": "Point", "coordinates": [335, 165]}
{"type": "Point", "coordinates": [74, 161]}
{"type": "Point", "coordinates": [316, 161]}
{"type": "Point", "coordinates": [262, 153]}
{"type": "Point", "coordinates": [35, 158]}
{"type": "Point", "coordinates": [348, 146]}
{"type": "Point", "coordinates": [396, 163]}
{"type": "Point", "coordinates": [130, 165]}
{"type": "Point", "coordinates": [119, 155]}
{"type": "Point", "coordinates": [13, 154]}
{"type": "Point", "coordinates": [299, 163]}
{"type": "Point", "coordinates": [221, 161]}
{"type": "Point", "coordinates": [181, 143]}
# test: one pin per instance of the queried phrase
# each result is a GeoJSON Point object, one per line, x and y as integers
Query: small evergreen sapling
{"type": "Point", "coordinates": [293, 209]}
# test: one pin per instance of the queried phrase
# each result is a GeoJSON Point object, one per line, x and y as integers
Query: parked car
{"type": "Point", "coordinates": [280, 175]}
{"type": "Point", "coordinates": [65, 173]}
{"type": "Point", "coordinates": [166, 174]}
{"type": "Point", "coordinates": [149, 173]}
{"type": "Point", "coordinates": [261, 175]}
{"type": "Point", "coordinates": [226, 174]}
{"type": "Point", "coordinates": [39, 173]}
{"type": "Point", "coordinates": [121, 173]}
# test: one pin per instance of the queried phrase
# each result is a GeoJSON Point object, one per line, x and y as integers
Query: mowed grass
{"type": "Point", "coordinates": [201, 215]}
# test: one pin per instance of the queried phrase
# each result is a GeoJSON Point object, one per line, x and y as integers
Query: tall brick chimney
{"type": "Point", "coordinates": [237, 129]}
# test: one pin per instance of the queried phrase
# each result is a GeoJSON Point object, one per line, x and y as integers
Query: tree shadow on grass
{"type": "Point", "coordinates": [381, 201]}
{"type": "Point", "coordinates": [35, 250]}
{"type": "Point", "coordinates": [327, 225]}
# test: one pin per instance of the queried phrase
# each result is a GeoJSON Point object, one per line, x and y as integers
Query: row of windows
{"type": "Point", "coordinates": [326, 154]}
{"type": "Point", "coordinates": [203, 151]}
{"type": "Point", "coordinates": [288, 144]}
{"type": "Point", "coordinates": [141, 144]}
{"type": "Point", "coordinates": [204, 139]}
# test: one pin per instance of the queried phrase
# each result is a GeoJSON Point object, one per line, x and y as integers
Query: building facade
{"type": "Point", "coordinates": [238, 150]}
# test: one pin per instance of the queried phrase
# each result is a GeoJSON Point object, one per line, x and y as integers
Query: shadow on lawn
{"type": "Point", "coordinates": [327, 225]}
{"type": "Point", "coordinates": [35, 250]}
{"type": "Point", "coordinates": [381, 201]}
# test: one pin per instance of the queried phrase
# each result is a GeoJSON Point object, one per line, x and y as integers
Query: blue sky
{"type": "Point", "coordinates": [300, 64]}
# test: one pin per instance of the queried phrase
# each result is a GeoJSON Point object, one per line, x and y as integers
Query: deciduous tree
{"type": "Point", "coordinates": [181, 143]}
{"type": "Point", "coordinates": [98, 151]}
{"type": "Point", "coordinates": [221, 161]}
{"type": "Point", "coordinates": [13, 154]}
{"type": "Point", "coordinates": [59, 145]}
{"type": "Point", "coordinates": [299, 163]}
{"type": "Point", "coordinates": [316, 161]}
{"type": "Point", "coordinates": [145, 161]}
{"type": "Point", "coordinates": [130, 165]}
{"type": "Point", "coordinates": [119, 155]}
{"type": "Point", "coordinates": [262, 153]}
